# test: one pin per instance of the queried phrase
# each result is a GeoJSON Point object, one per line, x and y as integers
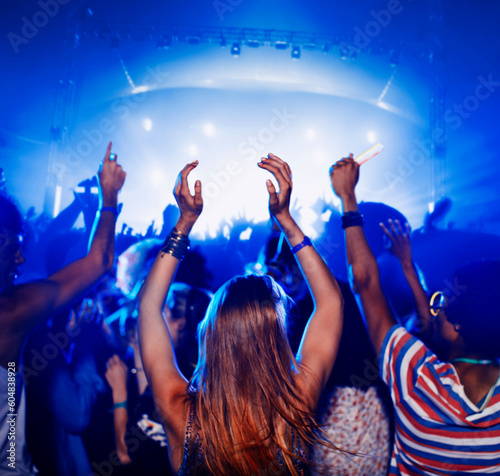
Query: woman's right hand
{"type": "Point", "coordinates": [279, 202]}
{"type": "Point", "coordinates": [190, 206]}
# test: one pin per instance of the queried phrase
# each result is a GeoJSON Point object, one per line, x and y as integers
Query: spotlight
{"type": "Point", "coordinates": [236, 49]}
{"type": "Point", "coordinates": [295, 52]}
{"type": "Point", "coordinates": [281, 45]}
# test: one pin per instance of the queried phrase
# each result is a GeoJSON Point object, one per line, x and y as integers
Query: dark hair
{"type": "Point", "coordinates": [10, 216]}
{"type": "Point", "coordinates": [473, 305]}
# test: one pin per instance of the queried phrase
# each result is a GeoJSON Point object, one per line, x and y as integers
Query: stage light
{"type": "Point", "coordinates": [208, 129]}
{"type": "Point", "coordinates": [296, 52]}
{"type": "Point", "coordinates": [147, 124]}
{"type": "Point", "coordinates": [253, 43]}
{"type": "Point", "coordinates": [157, 178]}
{"type": "Point", "coordinates": [236, 49]}
{"type": "Point", "coordinates": [371, 137]}
{"type": "Point", "coordinates": [281, 45]}
{"type": "Point", "coordinates": [311, 134]}
{"type": "Point", "coordinates": [140, 89]}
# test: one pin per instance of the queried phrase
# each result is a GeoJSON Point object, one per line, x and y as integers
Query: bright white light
{"type": "Point", "coordinates": [325, 216]}
{"type": "Point", "coordinates": [193, 150]}
{"type": "Point", "coordinates": [372, 137]}
{"type": "Point", "coordinates": [140, 89]}
{"type": "Point", "coordinates": [245, 235]}
{"type": "Point", "coordinates": [57, 200]}
{"type": "Point", "coordinates": [307, 219]}
{"type": "Point", "coordinates": [431, 207]}
{"type": "Point", "coordinates": [147, 124]}
{"type": "Point", "coordinates": [156, 177]}
{"type": "Point", "coordinates": [209, 129]}
{"type": "Point", "coordinates": [311, 134]}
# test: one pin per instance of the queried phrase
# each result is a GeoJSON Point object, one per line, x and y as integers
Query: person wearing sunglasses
{"type": "Point", "coordinates": [447, 411]}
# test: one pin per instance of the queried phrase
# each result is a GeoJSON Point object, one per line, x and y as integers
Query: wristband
{"type": "Point", "coordinates": [109, 209]}
{"type": "Point", "coordinates": [305, 242]}
{"type": "Point", "coordinates": [120, 405]}
{"type": "Point", "coordinates": [352, 219]}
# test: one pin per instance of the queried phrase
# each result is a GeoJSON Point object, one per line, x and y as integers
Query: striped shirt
{"type": "Point", "coordinates": [439, 431]}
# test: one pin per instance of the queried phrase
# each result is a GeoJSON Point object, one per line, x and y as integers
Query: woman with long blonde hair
{"type": "Point", "coordinates": [248, 409]}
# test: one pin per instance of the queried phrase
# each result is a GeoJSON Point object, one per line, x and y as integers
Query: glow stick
{"type": "Point", "coordinates": [370, 153]}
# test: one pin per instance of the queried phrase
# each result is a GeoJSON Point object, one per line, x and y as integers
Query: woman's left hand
{"type": "Point", "coordinates": [190, 206]}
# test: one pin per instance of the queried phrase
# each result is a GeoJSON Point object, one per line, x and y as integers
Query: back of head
{"type": "Point", "coordinates": [472, 305]}
{"type": "Point", "coordinates": [247, 401]}
{"type": "Point", "coordinates": [11, 219]}
{"type": "Point", "coordinates": [243, 331]}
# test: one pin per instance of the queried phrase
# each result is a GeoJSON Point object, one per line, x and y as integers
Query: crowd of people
{"type": "Point", "coordinates": [127, 354]}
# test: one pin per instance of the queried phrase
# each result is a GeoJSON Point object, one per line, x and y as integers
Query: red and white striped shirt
{"type": "Point", "coordinates": [439, 431]}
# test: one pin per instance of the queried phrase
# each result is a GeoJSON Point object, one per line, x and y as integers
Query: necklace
{"type": "Point", "coordinates": [474, 361]}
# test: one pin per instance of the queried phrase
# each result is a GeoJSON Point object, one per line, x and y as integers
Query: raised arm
{"type": "Point", "coordinates": [363, 267]}
{"type": "Point", "coordinates": [23, 306]}
{"type": "Point", "coordinates": [155, 342]}
{"type": "Point", "coordinates": [321, 338]}
{"type": "Point", "coordinates": [116, 375]}
{"type": "Point", "coordinates": [400, 247]}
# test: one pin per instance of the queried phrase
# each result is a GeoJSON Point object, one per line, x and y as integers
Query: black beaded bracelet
{"type": "Point", "coordinates": [352, 219]}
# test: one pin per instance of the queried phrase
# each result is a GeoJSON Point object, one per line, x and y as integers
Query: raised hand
{"type": "Point", "coordinates": [398, 241]}
{"type": "Point", "coordinates": [111, 177]}
{"type": "Point", "coordinates": [190, 206]}
{"type": "Point", "coordinates": [344, 176]}
{"type": "Point", "coordinates": [279, 202]}
{"type": "Point", "coordinates": [116, 375]}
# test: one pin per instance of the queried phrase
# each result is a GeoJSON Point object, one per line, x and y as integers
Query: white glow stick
{"type": "Point", "coordinates": [370, 153]}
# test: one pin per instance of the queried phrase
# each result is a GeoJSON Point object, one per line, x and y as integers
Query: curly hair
{"type": "Point", "coordinates": [473, 306]}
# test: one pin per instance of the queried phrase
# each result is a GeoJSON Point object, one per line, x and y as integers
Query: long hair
{"type": "Point", "coordinates": [248, 406]}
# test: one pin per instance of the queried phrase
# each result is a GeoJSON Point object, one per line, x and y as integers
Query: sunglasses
{"type": "Point", "coordinates": [437, 303]}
